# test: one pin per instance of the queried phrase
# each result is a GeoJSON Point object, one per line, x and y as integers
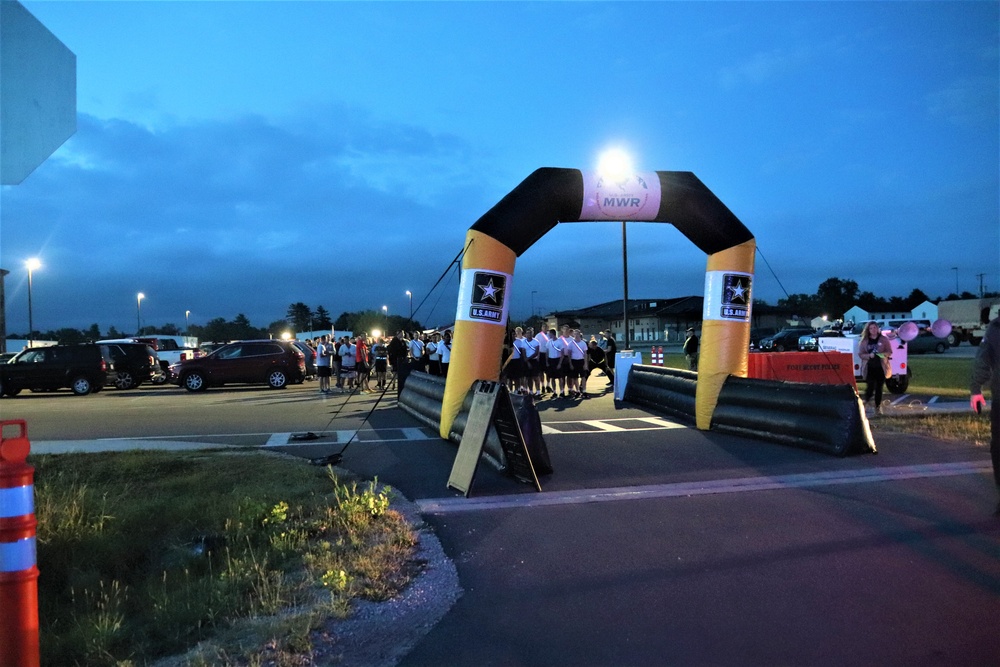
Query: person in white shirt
{"type": "Point", "coordinates": [532, 360]}
{"type": "Point", "coordinates": [348, 362]}
{"type": "Point", "coordinates": [444, 349]}
{"type": "Point", "coordinates": [417, 353]}
{"type": "Point", "coordinates": [555, 351]}
{"type": "Point", "coordinates": [578, 364]}
{"type": "Point", "coordinates": [433, 356]}
{"type": "Point", "coordinates": [542, 366]}
{"type": "Point", "coordinates": [323, 352]}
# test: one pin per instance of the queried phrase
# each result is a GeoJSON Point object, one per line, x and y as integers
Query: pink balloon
{"type": "Point", "coordinates": [908, 331]}
{"type": "Point", "coordinates": [941, 328]}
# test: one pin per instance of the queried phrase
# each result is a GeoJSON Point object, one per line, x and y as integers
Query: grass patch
{"type": "Point", "coordinates": [145, 554]}
{"type": "Point", "coordinates": [940, 375]}
{"type": "Point", "coordinates": [964, 426]}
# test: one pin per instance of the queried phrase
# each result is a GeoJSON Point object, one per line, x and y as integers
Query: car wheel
{"type": "Point", "coordinates": [124, 380]}
{"type": "Point", "coordinates": [158, 379]}
{"type": "Point", "coordinates": [940, 348]}
{"type": "Point", "coordinates": [779, 347]}
{"type": "Point", "coordinates": [953, 340]}
{"type": "Point", "coordinates": [194, 382]}
{"type": "Point", "coordinates": [81, 386]}
{"type": "Point", "coordinates": [277, 379]}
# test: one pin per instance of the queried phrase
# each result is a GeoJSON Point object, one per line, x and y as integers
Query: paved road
{"type": "Point", "coordinates": [652, 543]}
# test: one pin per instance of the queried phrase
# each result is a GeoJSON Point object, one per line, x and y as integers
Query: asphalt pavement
{"type": "Point", "coordinates": [653, 543]}
{"type": "Point", "coordinates": [658, 544]}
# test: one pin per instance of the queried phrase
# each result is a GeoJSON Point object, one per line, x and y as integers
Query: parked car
{"type": "Point", "coordinates": [83, 368]}
{"type": "Point", "coordinates": [810, 342]}
{"type": "Point", "coordinates": [134, 363]}
{"type": "Point", "coordinates": [927, 342]}
{"type": "Point", "coordinates": [275, 363]}
{"type": "Point", "coordinates": [310, 357]}
{"type": "Point", "coordinates": [786, 339]}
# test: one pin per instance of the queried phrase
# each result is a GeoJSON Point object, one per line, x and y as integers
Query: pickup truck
{"type": "Point", "coordinates": [168, 351]}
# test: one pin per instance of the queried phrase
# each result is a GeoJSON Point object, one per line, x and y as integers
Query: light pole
{"type": "Point", "coordinates": [533, 293]}
{"type": "Point", "coordinates": [138, 312]}
{"type": "Point", "coordinates": [410, 294]}
{"type": "Point", "coordinates": [615, 165]}
{"type": "Point", "coordinates": [32, 264]}
{"type": "Point", "coordinates": [187, 321]}
{"type": "Point", "coordinates": [385, 310]}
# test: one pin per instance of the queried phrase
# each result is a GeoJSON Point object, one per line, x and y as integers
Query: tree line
{"type": "Point", "coordinates": [833, 297]}
{"type": "Point", "coordinates": [298, 318]}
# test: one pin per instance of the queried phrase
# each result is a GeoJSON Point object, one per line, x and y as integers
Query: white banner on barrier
{"type": "Point", "coordinates": [484, 296]}
{"type": "Point", "coordinates": [728, 296]}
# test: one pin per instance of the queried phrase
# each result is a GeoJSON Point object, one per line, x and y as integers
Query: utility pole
{"type": "Point", "coordinates": [982, 291]}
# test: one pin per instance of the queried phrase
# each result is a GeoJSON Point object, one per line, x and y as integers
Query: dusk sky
{"type": "Point", "coordinates": [236, 157]}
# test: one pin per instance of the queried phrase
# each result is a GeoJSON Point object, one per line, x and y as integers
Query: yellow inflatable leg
{"type": "Point", "coordinates": [480, 321]}
{"type": "Point", "coordinates": [725, 329]}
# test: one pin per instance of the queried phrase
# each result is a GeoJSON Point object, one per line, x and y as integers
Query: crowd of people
{"type": "Point", "coordinates": [555, 363]}
{"type": "Point", "coordinates": [558, 364]}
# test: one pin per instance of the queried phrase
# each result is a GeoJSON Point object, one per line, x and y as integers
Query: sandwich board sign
{"type": "Point", "coordinates": [491, 406]}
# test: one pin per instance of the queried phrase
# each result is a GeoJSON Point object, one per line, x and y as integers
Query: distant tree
{"type": "Point", "coordinates": [94, 332]}
{"type": "Point", "coordinates": [67, 336]}
{"type": "Point", "coordinates": [321, 319]}
{"type": "Point", "coordinates": [170, 329]}
{"type": "Point", "coordinates": [240, 327]}
{"type": "Point", "coordinates": [344, 322]}
{"type": "Point", "coordinates": [113, 332]}
{"type": "Point", "coordinates": [916, 298]}
{"type": "Point", "coordinates": [276, 328]}
{"type": "Point", "coordinates": [803, 305]}
{"type": "Point", "coordinates": [835, 296]}
{"type": "Point", "coordinates": [300, 316]}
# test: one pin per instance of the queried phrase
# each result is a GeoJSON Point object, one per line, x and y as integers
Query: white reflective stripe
{"type": "Point", "coordinates": [17, 556]}
{"type": "Point", "coordinates": [17, 501]}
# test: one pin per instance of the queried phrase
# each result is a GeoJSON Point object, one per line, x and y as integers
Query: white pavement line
{"type": "Point", "coordinates": [933, 399]}
{"type": "Point", "coordinates": [414, 434]}
{"type": "Point", "coordinates": [900, 399]}
{"type": "Point", "coordinates": [602, 425]}
{"type": "Point", "coordinates": [278, 440]}
{"type": "Point", "coordinates": [707, 487]}
{"type": "Point", "coordinates": [548, 430]}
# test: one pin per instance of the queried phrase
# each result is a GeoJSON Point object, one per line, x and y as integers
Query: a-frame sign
{"type": "Point", "coordinates": [491, 406]}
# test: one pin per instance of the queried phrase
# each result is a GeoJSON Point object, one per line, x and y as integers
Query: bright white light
{"type": "Point", "coordinates": [615, 164]}
{"type": "Point", "coordinates": [385, 309]}
{"type": "Point", "coordinates": [286, 335]}
{"type": "Point", "coordinates": [376, 333]}
{"type": "Point", "coordinates": [140, 296]}
{"type": "Point", "coordinates": [33, 264]}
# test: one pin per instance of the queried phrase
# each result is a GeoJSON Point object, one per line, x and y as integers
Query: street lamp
{"type": "Point", "coordinates": [385, 309]}
{"type": "Point", "coordinates": [410, 294]}
{"type": "Point", "coordinates": [187, 321]}
{"type": "Point", "coordinates": [615, 165]}
{"type": "Point", "coordinates": [138, 312]}
{"type": "Point", "coordinates": [32, 264]}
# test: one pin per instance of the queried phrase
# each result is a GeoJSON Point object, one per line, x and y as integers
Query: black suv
{"type": "Point", "coordinates": [786, 339]}
{"type": "Point", "coordinates": [275, 363]}
{"type": "Point", "coordinates": [135, 363]}
{"type": "Point", "coordinates": [83, 368]}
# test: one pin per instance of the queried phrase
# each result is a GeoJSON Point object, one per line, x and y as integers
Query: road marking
{"type": "Point", "coordinates": [278, 439]}
{"type": "Point", "coordinates": [707, 487]}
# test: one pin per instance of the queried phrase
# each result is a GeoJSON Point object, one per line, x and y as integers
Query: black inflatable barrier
{"type": "Point", "coordinates": [819, 417]}
{"type": "Point", "coordinates": [825, 418]}
{"type": "Point", "coordinates": [669, 390]}
{"type": "Point", "coordinates": [421, 398]}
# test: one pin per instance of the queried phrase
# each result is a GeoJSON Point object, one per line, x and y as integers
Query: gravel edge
{"type": "Point", "coordinates": [380, 634]}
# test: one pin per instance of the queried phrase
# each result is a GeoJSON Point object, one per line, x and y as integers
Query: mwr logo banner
{"type": "Point", "coordinates": [484, 296]}
{"type": "Point", "coordinates": [727, 296]}
{"type": "Point", "coordinates": [629, 197]}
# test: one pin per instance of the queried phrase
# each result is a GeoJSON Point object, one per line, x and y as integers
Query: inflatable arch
{"type": "Point", "coordinates": [549, 196]}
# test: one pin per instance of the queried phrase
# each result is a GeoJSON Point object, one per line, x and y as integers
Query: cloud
{"type": "Point", "coordinates": [966, 101]}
